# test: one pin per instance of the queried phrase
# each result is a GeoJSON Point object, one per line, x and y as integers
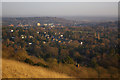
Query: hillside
{"type": "Point", "coordinates": [16, 69]}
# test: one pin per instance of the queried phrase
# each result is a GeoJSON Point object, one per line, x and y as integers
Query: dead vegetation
{"type": "Point", "coordinates": [16, 69]}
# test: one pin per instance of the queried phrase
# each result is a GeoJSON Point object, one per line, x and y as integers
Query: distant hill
{"type": "Point", "coordinates": [91, 19]}
{"type": "Point", "coordinates": [65, 21]}
{"type": "Point", "coordinates": [34, 20]}
{"type": "Point", "coordinates": [16, 69]}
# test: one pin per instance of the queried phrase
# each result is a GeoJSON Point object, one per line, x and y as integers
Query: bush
{"type": "Point", "coordinates": [68, 60]}
{"type": "Point", "coordinates": [92, 64]}
{"type": "Point", "coordinates": [52, 60]}
{"type": "Point", "coordinates": [41, 64]}
{"type": "Point", "coordinates": [20, 54]}
{"type": "Point", "coordinates": [29, 61]}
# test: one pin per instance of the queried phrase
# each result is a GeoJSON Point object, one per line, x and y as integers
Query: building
{"type": "Point", "coordinates": [38, 24]}
{"type": "Point", "coordinates": [44, 42]}
{"type": "Point", "coordinates": [11, 30]}
{"type": "Point", "coordinates": [30, 43]}
{"type": "Point", "coordinates": [61, 35]}
{"type": "Point", "coordinates": [30, 36]}
{"type": "Point", "coordinates": [37, 32]}
{"type": "Point", "coordinates": [97, 35]}
{"type": "Point", "coordinates": [45, 24]}
{"type": "Point", "coordinates": [11, 25]}
{"type": "Point", "coordinates": [81, 43]}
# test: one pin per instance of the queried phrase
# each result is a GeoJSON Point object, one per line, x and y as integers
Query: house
{"type": "Point", "coordinates": [37, 32]}
{"type": "Point", "coordinates": [48, 37]}
{"type": "Point", "coordinates": [22, 37]}
{"type": "Point", "coordinates": [59, 41]}
{"type": "Point", "coordinates": [45, 24]}
{"type": "Point", "coordinates": [30, 43]}
{"type": "Point", "coordinates": [56, 39]}
{"type": "Point", "coordinates": [30, 36]}
{"type": "Point", "coordinates": [50, 24]}
{"type": "Point", "coordinates": [44, 32]}
{"type": "Point", "coordinates": [61, 35]}
{"type": "Point", "coordinates": [11, 30]}
{"type": "Point", "coordinates": [53, 39]}
{"type": "Point", "coordinates": [11, 25]}
{"type": "Point", "coordinates": [44, 42]}
{"type": "Point", "coordinates": [38, 24]}
{"type": "Point", "coordinates": [81, 43]}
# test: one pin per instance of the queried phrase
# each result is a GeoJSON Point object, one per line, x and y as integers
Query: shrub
{"type": "Point", "coordinates": [68, 60]}
{"type": "Point", "coordinates": [29, 61]}
{"type": "Point", "coordinates": [21, 55]}
{"type": "Point", "coordinates": [52, 60]}
{"type": "Point", "coordinates": [41, 64]}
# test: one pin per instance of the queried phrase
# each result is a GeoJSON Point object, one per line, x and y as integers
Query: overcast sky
{"type": "Point", "coordinates": [33, 9]}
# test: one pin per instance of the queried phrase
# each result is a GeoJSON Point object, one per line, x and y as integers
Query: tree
{"type": "Point", "coordinates": [68, 60]}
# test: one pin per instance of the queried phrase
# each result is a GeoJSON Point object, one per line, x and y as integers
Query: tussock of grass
{"type": "Point", "coordinates": [16, 69]}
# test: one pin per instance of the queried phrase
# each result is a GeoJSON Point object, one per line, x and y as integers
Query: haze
{"type": "Point", "coordinates": [34, 9]}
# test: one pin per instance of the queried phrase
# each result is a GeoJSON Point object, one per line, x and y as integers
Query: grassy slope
{"type": "Point", "coordinates": [16, 69]}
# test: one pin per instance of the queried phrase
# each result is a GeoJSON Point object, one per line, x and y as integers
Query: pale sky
{"type": "Point", "coordinates": [33, 9]}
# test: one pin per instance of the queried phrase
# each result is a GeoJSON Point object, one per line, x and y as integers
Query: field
{"type": "Point", "coordinates": [16, 69]}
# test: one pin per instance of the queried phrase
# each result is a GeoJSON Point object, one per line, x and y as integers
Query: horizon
{"type": "Point", "coordinates": [76, 18]}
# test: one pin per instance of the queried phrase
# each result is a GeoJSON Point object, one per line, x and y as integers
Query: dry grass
{"type": "Point", "coordinates": [16, 69]}
{"type": "Point", "coordinates": [72, 70]}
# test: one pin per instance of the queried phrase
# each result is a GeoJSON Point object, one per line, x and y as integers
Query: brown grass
{"type": "Point", "coordinates": [16, 69]}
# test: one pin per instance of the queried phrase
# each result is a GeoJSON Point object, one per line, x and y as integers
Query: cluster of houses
{"type": "Point", "coordinates": [52, 25]}
{"type": "Point", "coordinates": [19, 25]}
{"type": "Point", "coordinates": [57, 37]}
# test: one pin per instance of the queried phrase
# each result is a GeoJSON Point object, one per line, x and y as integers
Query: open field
{"type": "Point", "coordinates": [16, 69]}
